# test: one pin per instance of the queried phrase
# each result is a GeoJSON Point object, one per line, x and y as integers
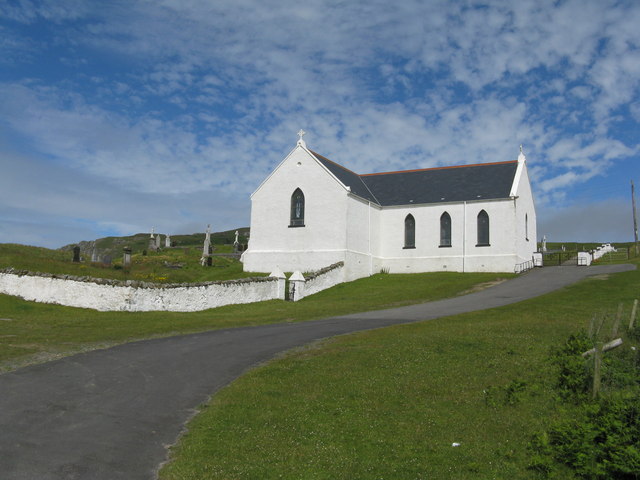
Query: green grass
{"type": "Point", "coordinates": [153, 267]}
{"type": "Point", "coordinates": [32, 332]}
{"type": "Point", "coordinates": [391, 402]}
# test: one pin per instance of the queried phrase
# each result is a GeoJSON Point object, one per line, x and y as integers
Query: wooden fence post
{"type": "Point", "coordinates": [597, 367]}
{"type": "Point", "coordinates": [592, 326]}
{"type": "Point", "coordinates": [632, 320]}
{"type": "Point", "coordinates": [616, 321]}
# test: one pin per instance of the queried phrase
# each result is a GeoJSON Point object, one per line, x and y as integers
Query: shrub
{"type": "Point", "coordinates": [574, 372]}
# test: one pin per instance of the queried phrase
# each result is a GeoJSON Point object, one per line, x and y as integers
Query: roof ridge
{"type": "Point", "coordinates": [350, 171]}
{"type": "Point", "coordinates": [438, 168]}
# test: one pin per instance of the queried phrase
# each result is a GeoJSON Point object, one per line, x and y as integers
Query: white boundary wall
{"type": "Point", "coordinates": [111, 295]}
{"type": "Point", "coordinates": [131, 296]}
{"type": "Point", "coordinates": [325, 278]}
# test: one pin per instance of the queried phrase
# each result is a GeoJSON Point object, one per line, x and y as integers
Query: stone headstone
{"type": "Point", "coordinates": [94, 255]}
{"type": "Point", "coordinates": [167, 241]}
{"type": "Point", "coordinates": [106, 260]}
{"type": "Point", "coordinates": [206, 248]}
{"type": "Point", "coordinates": [158, 242]}
{"type": "Point", "coordinates": [126, 259]}
{"type": "Point", "coordinates": [76, 254]}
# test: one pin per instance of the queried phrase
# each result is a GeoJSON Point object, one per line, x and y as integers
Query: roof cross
{"type": "Point", "coordinates": [301, 142]}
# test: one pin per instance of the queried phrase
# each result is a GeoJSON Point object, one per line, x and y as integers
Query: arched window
{"type": "Point", "coordinates": [409, 232]}
{"type": "Point", "coordinates": [483, 229]}
{"type": "Point", "coordinates": [297, 209]}
{"type": "Point", "coordinates": [445, 230]}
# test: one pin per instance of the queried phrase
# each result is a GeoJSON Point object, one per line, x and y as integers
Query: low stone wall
{"type": "Point", "coordinates": [324, 278]}
{"type": "Point", "coordinates": [134, 296]}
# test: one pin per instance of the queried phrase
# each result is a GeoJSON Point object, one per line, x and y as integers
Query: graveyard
{"type": "Point", "coordinates": [179, 263]}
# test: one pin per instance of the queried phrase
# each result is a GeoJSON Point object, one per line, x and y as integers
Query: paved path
{"type": "Point", "coordinates": [109, 414]}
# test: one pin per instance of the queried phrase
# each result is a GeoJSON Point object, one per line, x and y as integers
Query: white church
{"type": "Point", "coordinates": [310, 213]}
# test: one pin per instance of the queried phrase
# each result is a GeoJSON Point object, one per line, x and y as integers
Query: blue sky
{"type": "Point", "coordinates": [122, 115]}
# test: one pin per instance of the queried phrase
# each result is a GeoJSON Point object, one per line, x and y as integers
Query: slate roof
{"type": "Point", "coordinates": [432, 185]}
{"type": "Point", "coordinates": [349, 178]}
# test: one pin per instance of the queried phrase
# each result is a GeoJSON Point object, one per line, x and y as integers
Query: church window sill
{"type": "Point", "coordinates": [444, 246]}
{"type": "Point", "coordinates": [408, 248]}
{"type": "Point", "coordinates": [295, 226]}
{"type": "Point", "coordinates": [483, 245]}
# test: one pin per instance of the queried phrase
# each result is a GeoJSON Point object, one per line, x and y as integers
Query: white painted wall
{"type": "Point", "coordinates": [120, 297]}
{"type": "Point", "coordinates": [332, 276]}
{"type": "Point", "coordinates": [464, 254]}
{"type": "Point", "coordinates": [525, 218]}
{"type": "Point", "coordinates": [321, 242]}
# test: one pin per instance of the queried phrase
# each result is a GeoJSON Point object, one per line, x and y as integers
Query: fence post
{"type": "Point", "coordinates": [597, 367]}
{"type": "Point", "coordinates": [632, 320]}
{"type": "Point", "coordinates": [297, 282]}
{"type": "Point", "coordinates": [616, 321]}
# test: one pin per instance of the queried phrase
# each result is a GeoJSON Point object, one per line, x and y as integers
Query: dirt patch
{"type": "Point", "coordinates": [604, 276]}
{"type": "Point", "coordinates": [483, 286]}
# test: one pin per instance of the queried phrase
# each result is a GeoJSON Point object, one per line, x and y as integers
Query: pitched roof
{"type": "Point", "coordinates": [485, 181]}
{"type": "Point", "coordinates": [348, 178]}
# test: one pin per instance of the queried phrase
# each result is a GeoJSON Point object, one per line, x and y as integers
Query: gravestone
{"type": "Point", "coordinates": [167, 241]}
{"type": "Point", "coordinates": [152, 240]}
{"type": "Point", "coordinates": [158, 242]}
{"type": "Point", "coordinates": [76, 254]}
{"type": "Point", "coordinates": [106, 260]}
{"type": "Point", "coordinates": [236, 245]}
{"type": "Point", "coordinates": [94, 255]}
{"type": "Point", "coordinates": [206, 248]}
{"type": "Point", "coordinates": [126, 259]}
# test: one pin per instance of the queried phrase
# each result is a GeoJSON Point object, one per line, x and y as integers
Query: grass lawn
{"type": "Point", "coordinates": [171, 265]}
{"type": "Point", "coordinates": [32, 332]}
{"type": "Point", "coordinates": [390, 403]}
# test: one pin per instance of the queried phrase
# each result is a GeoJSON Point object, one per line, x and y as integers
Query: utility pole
{"type": "Point", "coordinates": [635, 217]}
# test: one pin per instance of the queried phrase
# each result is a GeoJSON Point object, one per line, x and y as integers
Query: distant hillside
{"type": "Point", "coordinates": [112, 246]}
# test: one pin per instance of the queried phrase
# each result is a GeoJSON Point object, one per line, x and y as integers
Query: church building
{"type": "Point", "coordinates": [311, 212]}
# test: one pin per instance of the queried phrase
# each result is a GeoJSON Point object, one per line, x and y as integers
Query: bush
{"type": "Point", "coordinates": [601, 442]}
{"type": "Point", "coordinates": [574, 372]}
{"type": "Point", "coordinates": [597, 439]}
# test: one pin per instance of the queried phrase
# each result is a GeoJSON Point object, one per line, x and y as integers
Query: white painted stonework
{"type": "Point", "coordinates": [113, 295]}
{"type": "Point", "coordinates": [343, 227]}
{"type": "Point", "coordinates": [116, 297]}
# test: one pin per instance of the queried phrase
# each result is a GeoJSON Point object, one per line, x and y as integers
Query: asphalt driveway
{"type": "Point", "coordinates": [109, 414]}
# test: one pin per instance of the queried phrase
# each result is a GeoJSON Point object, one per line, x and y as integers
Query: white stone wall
{"type": "Point", "coordinates": [324, 279]}
{"type": "Point", "coordinates": [464, 255]}
{"type": "Point", "coordinates": [117, 296]}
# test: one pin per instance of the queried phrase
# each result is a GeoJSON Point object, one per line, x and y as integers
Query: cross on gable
{"type": "Point", "coordinates": [301, 142]}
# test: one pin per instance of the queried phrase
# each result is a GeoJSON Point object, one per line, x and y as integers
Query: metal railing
{"type": "Point", "coordinates": [524, 266]}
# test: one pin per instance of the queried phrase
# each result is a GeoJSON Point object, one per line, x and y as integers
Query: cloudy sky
{"type": "Point", "coordinates": [122, 115]}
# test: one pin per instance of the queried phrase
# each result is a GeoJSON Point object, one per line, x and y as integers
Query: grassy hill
{"type": "Point", "coordinates": [389, 403]}
{"type": "Point", "coordinates": [112, 246]}
{"type": "Point", "coordinates": [472, 396]}
{"type": "Point", "coordinates": [178, 264]}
